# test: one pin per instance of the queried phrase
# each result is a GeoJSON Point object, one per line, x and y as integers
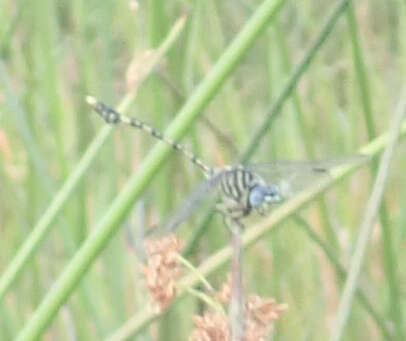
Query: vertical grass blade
{"type": "Point", "coordinates": [44, 224]}
{"type": "Point", "coordinates": [342, 274]}
{"type": "Point", "coordinates": [388, 251]}
{"type": "Point", "coordinates": [280, 100]}
{"type": "Point", "coordinates": [374, 202]}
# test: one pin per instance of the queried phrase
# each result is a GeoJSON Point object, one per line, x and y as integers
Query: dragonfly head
{"type": "Point", "coordinates": [262, 195]}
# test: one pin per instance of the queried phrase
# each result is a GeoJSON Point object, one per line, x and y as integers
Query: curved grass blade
{"type": "Point", "coordinates": [44, 224]}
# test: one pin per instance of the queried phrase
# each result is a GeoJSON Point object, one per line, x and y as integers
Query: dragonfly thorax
{"type": "Point", "coordinates": [243, 191]}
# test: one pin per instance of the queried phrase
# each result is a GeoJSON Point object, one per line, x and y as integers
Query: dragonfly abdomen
{"type": "Point", "coordinates": [112, 116]}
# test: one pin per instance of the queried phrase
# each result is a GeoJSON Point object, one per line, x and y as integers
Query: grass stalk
{"type": "Point", "coordinates": [389, 253]}
{"type": "Point", "coordinates": [291, 83]}
{"type": "Point", "coordinates": [374, 202]}
{"type": "Point", "coordinates": [306, 137]}
{"type": "Point", "coordinates": [342, 275]}
{"type": "Point", "coordinates": [44, 224]}
{"type": "Point", "coordinates": [28, 138]}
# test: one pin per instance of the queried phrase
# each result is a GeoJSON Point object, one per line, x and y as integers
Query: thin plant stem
{"type": "Point", "coordinates": [291, 83]}
{"type": "Point", "coordinates": [306, 136]}
{"type": "Point", "coordinates": [374, 202]}
{"type": "Point", "coordinates": [44, 224]}
{"type": "Point", "coordinates": [206, 299]}
{"type": "Point", "coordinates": [388, 251]}
{"type": "Point", "coordinates": [342, 275]}
{"type": "Point", "coordinates": [189, 265]}
{"type": "Point", "coordinates": [236, 311]}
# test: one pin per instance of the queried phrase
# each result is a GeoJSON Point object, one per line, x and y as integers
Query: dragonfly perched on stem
{"type": "Point", "coordinates": [244, 189]}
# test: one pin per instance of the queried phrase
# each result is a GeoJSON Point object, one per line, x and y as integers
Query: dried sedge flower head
{"type": "Point", "coordinates": [260, 313]}
{"type": "Point", "coordinates": [224, 295]}
{"type": "Point", "coordinates": [162, 268]}
{"type": "Point", "coordinates": [212, 326]}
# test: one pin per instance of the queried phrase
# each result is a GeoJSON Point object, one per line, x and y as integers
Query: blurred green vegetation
{"type": "Point", "coordinates": [54, 53]}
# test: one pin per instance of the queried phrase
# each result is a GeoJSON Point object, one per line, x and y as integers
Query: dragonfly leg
{"type": "Point", "coordinates": [231, 209]}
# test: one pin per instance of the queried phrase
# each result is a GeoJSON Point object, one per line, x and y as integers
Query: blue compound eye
{"type": "Point", "coordinates": [257, 196]}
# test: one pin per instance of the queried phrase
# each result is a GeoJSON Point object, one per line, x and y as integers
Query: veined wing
{"type": "Point", "coordinates": [192, 202]}
{"type": "Point", "coordinates": [294, 176]}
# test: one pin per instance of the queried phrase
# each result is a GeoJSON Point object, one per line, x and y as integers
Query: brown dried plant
{"type": "Point", "coordinates": [260, 317]}
{"type": "Point", "coordinates": [261, 314]}
{"type": "Point", "coordinates": [212, 326]}
{"type": "Point", "coordinates": [162, 268]}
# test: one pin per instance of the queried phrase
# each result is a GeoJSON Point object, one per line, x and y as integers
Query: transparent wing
{"type": "Point", "coordinates": [192, 202]}
{"type": "Point", "coordinates": [294, 176]}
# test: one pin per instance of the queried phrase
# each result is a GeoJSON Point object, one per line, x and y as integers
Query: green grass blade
{"type": "Point", "coordinates": [41, 228]}
{"type": "Point", "coordinates": [388, 250]}
{"type": "Point", "coordinates": [44, 224]}
{"type": "Point", "coordinates": [25, 130]}
{"type": "Point", "coordinates": [294, 78]}
{"type": "Point", "coordinates": [306, 135]}
{"type": "Point", "coordinates": [367, 226]}
{"type": "Point", "coordinates": [342, 274]}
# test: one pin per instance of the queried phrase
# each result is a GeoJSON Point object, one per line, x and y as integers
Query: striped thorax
{"type": "Point", "coordinates": [243, 191]}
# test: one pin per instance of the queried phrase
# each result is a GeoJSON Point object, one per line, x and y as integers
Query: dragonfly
{"type": "Point", "coordinates": [243, 189]}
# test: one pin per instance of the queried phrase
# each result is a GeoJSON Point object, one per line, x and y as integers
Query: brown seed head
{"type": "Point", "coordinates": [212, 326]}
{"type": "Point", "coordinates": [261, 315]}
{"type": "Point", "coordinates": [224, 295]}
{"type": "Point", "coordinates": [162, 268]}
